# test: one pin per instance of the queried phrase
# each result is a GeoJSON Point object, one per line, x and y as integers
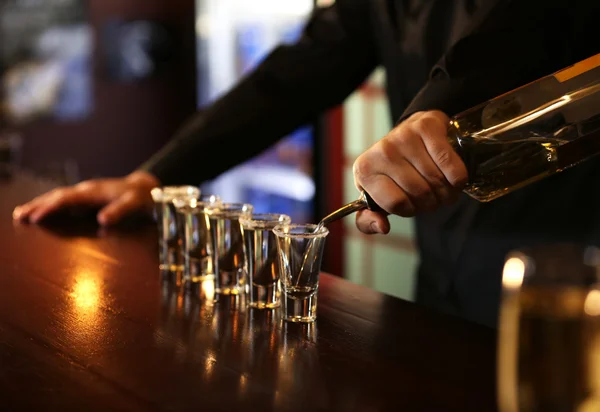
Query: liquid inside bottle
{"type": "Point", "coordinates": [530, 133]}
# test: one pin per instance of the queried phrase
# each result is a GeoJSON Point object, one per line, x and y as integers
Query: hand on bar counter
{"type": "Point", "coordinates": [412, 169]}
{"type": "Point", "coordinates": [118, 197]}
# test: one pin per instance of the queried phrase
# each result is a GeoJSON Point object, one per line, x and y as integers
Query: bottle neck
{"type": "Point", "coordinates": [454, 139]}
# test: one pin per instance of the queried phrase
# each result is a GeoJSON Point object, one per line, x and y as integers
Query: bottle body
{"type": "Point", "coordinates": [531, 132]}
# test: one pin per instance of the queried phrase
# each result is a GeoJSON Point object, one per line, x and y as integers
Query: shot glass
{"type": "Point", "coordinates": [197, 246]}
{"type": "Point", "coordinates": [300, 248]}
{"type": "Point", "coordinates": [169, 233]}
{"type": "Point", "coordinates": [262, 258]}
{"type": "Point", "coordinates": [229, 259]}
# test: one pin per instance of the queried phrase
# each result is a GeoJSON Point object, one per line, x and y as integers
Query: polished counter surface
{"type": "Point", "coordinates": [87, 323]}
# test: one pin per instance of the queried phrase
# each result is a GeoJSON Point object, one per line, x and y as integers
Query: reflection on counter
{"type": "Point", "coordinates": [86, 294]}
{"type": "Point", "coordinates": [224, 335]}
{"type": "Point", "coordinates": [87, 310]}
{"type": "Point", "coordinates": [89, 303]}
{"type": "Point", "coordinates": [299, 366]}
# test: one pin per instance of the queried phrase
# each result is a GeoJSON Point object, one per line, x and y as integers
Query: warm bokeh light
{"type": "Point", "coordinates": [592, 303]}
{"type": "Point", "coordinates": [207, 291]}
{"type": "Point", "coordinates": [86, 293]}
{"type": "Point", "coordinates": [243, 383]}
{"type": "Point", "coordinates": [88, 301]}
{"type": "Point", "coordinates": [513, 273]}
{"type": "Point", "coordinates": [209, 366]}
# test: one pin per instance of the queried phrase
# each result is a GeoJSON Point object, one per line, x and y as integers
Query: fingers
{"type": "Point", "coordinates": [416, 188]}
{"type": "Point", "coordinates": [414, 168]}
{"type": "Point", "coordinates": [88, 193]}
{"type": "Point", "coordinates": [129, 202]}
{"type": "Point", "coordinates": [428, 170]}
{"type": "Point", "coordinates": [19, 212]}
{"type": "Point", "coordinates": [50, 202]}
{"type": "Point", "coordinates": [23, 212]}
{"type": "Point", "coordinates": [432, 129]}
{"type": "Point", "coordinates": [119, 196]}
{"type": "Point", "coordinates": [399, 191]}
{"type": "Point", "coordinates": [392, 181]}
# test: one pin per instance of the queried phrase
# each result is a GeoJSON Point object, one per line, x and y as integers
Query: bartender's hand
{"type": "Point", "coordinates": [118, 196]}
{"type": "Point", "coordinates": [412, 169]}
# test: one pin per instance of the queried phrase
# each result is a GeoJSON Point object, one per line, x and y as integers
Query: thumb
{"type": "Point", "coordinates": [370, 222]}
{"type": "Point", "coordinates": [118, 208]}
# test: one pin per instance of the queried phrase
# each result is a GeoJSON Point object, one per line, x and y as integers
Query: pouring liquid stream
{"type": "Point", "coordinates": [363, 202]}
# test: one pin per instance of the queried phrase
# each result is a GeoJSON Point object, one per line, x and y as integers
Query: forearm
{"type": "Point", "coordinates": [292, 86]}
{"type": "Point", "coordinates": [234, 129]}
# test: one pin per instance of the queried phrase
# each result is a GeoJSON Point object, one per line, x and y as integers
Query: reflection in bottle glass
{"type": "Point", "coordinates": [531, 132]}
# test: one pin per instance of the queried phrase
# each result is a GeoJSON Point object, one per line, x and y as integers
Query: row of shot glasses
{"type": "Point", "coordinates": [263, 257]}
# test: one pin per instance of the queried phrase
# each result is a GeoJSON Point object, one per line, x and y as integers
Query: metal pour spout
{"type": "Point", "coordinates": [363, 202]}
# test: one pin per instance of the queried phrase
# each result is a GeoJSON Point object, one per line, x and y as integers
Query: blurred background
{"type": "Point", "coordinates": [92, 88]}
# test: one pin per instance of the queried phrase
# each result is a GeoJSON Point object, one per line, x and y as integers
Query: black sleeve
{"type": "Point", "coordinates": [292, 85]}
{"type": "Point", "coordinates": [509, 44]}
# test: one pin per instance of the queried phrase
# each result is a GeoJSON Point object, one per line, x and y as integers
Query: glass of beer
{"type": "Point", "coordinates": [549, 330]}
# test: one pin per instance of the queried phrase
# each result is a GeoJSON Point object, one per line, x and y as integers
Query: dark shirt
{"type": "Point", "coordinates": [463, 246]}
{"type": "Point", "coordinates": [340, 47]}
{"type": "Point", "coordinates": [486, 48]}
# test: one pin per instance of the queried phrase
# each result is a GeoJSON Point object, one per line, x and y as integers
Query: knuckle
{"type": "Point", "coordinates": [436, 179]}
{"type": "Point", "coordinates": [130, 196]}
{"type": "Point", "coordinates": [387, 148]}
{"type": "Point", "coordinates": [438, 116]}
{"type": "Point", "coordinates": [429, 127]}
{"type": "Point", "coordinates": [393, 147]}
{"type": "Point", "coordinates": [401, 206]}
{"type": "Point", "coordinates": [131, 199]}
{"type": "Point", "coordinates": [400, 135]}
{"type": "Point", "coordinates": [58, 192]}
{"type": "Point", "coordinates": [362, 168]}
{"type": "Point", "coordinates": [86, 186]}
{"type": "Point", "coordinates": [415, 116]}
{"type": "Point", "coordinates": [422, 193]}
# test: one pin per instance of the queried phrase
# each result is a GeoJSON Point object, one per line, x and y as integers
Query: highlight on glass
{"type": "Point", "coordinates": [262, 258]}
{"type": "Point", "coordinates": [169, 232]}
{"type": "Point", "coordinates": [197, 247]}
{"type": "Point", "coordinates": [300, 249]}
{"type": "Point", "coordinates": [549, 329]}
{"type": "Point", "coordinates": [229, 258]}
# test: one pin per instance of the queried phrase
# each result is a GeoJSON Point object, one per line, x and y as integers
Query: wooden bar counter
{"type": "Point", "coordinates": [87, 324]}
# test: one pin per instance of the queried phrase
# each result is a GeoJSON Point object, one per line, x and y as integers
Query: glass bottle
{"type": "Point", "coordinates": [531, 132]}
